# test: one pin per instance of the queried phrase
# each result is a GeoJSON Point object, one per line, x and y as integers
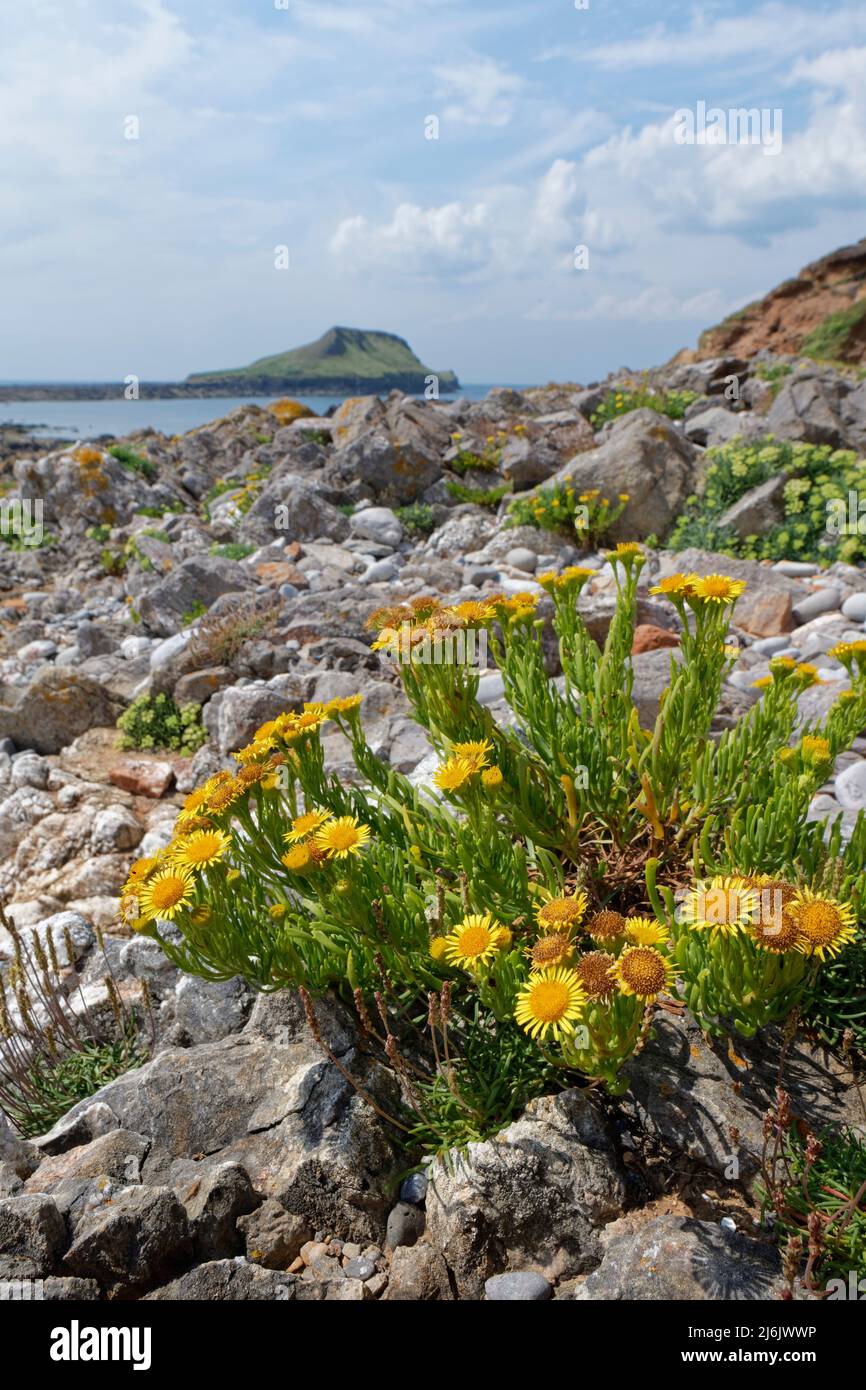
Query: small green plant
{"type": "Point", "coordinates": [133, 462]}
{"type": "Point", "coordinates": [417, 518]}
{"type": "Point", "coordinates": [155, 721]}
{"type": "Point", "coordinates": [113, 561]}
{"type": "Point", "coordinates": [814, 1187]}
{"type": "Point", "coordinates": [559, 508]}
{"type": "Point", "coordinates": [774, 373]}
{"type": "Point", "coordinates": [192, 615]}
{"type": "Point", "coordinates": [99, 534]}
{"type": "Point", "coordinates": [673, 404]}
{"type": "Point", "coordinates": [832, 339]}
{"type": "Point", "coordinates": [232, 550]}
{"type": "Point", "coordinates": [173, 508]}
{"type": "Point", "coordinates": [480, 497]}
{"type": "Point", "coordinates": [815, 502]}
{"type": "Point", "coordinates": [470, 460]}
{"type": "Point", "coordinates": [51, 1054]}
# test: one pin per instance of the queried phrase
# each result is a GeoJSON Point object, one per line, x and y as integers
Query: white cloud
{"type": "Point", "coordinates": [653, 304]}
{"type": "Point", "coordinates": [478, 91]}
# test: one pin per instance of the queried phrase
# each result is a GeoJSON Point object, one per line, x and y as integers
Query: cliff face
{"type": "Point", "coordinates": [820, 313]}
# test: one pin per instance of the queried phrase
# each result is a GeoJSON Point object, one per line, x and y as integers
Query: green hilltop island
{"type": "Point", "coordinates": [359, 360]}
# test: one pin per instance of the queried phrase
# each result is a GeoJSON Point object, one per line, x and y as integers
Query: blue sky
{"type": "Point", "coordinates": [304, 126]}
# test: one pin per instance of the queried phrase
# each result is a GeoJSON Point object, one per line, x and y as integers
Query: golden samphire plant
{"type": "Point", "coordinates": [557, 876]}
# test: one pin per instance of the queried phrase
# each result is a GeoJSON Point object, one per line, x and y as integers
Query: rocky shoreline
{"type": "Point", "coordinates": [236, 570]}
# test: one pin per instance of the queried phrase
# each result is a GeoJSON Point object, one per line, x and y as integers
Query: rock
{"type": "Point", "coordinates": [850, 787]}
{"type": "Point", "coordinates": [534, 1196]}
{"type": "Point", "coordinates": [524, 462]}
{"type": "Point", "coordinates": [519, 1286]}
{"type": "Point", "coordinates": [854, 608]}
{"type": "Point", "coordinates": [678, 1258]}
{"type": "Point", "coordinates": [28, 770]}
{"type": "Point", "coordinates": [274, 1236]}
{"type": "Point", "coordinates": [378, 524]}
{"type": "Point", "coordinates": [645, 456]}
{"type": "Point", "coordinates": [807, 408]}
{"type": "Point", "coordinates": [414, 1188]}
{"type": "Point", "coordinates": [114, 828]}
{"type": "Point", "coordinates": [278, 1108]}
{"type": "Point", "coordinates": [359, 1268]}
{"type": "Point", "coordinates": [197, 687]}
{"type": "Point", "coordinates": [118, 1155]}
{"type": "Point", "coordinates": [215, 1205]}
{"type": "Point", "coordinates": [197, 583]}
{"type": "Point", "coordinates": [769, 646]}
{"type": "Point", "coordinates": [796, 569]}
{"type": "Point", "coordinates": [243, 708]}
{"type": "Point", "coordinates": [651, 677]}
{"type": "Point", "coordinates": [522, 558]}
{"type": "Point", "coordinates": [826, 600]}
{"type": "Point", "coordinates": [134, 1243]}
{"type": "Point", "coordinates": [92, 639]}
{"type": "Point", "coordinates": [715, 425]}
{"type": "Point", "coordinates": [54, 709]}
{"type": "Point", "coordinates": [206, 1010]}
{"type": "Point", "coordinates": [228, 1281]}
{"type": "Point", "coordinates": [59, 1290]}
{"type": "Point", "coordinates": [418, 1273]}
{"type": "Point", "coordinates": [759, 509]}
{"type": "Point", "coordinates": [379, 572]}
{"type": "Point", "coordinates": [649, 638]}
{"type": "Point", "coordinates": [405, 1225]}
{"type": "Point", "coordinates": [32, 1236]}
{"type": "Point", "coordinates": [142, 776]}
{"type": "Point", "coordinates": [289, 506]}
{"type": "Point", "coordinates": [21, 1157]}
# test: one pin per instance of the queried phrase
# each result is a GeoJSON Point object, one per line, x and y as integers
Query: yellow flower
{"type": "Point", "coordinates": [343, 704]}
{"type": "Point", "coordinates": [549, 951]}
{"type": "Point", "coordinates": [297, 858]}
{"type": "Point", "coordinates": [474, 942]}
{"type": "Point", "coordinates": [492, 778]}
{"type": "Point", "coordinates": [716, 588]}
{"type": "Point", "coordinates": [164, 895]}
{"type": "Point", "coordinates": [762, 682]}
{"type": "Point", "coordinates": [277, 911]}
{"type": "Point", "coordinates": [201, 848]}
{"type": "Point", "coordinates": [196, 799]}
{"type": "Point", "coordinates": [645, 931]}
{"type": "Point", "coordinates": [341, 837]}
{"type": "Point", "coordinates": [438, 947]}
{"type": "Point", "coordinates": [626, 551]}
{"type": "Point", "coordinates": [476, 753]}
{"type": "Point", "coordinates": [453, 773]}
{"type": "Point", "coordinates": [824, 924]}
{"type": "Point", "coordinates": [680, 585]}
{"type": "Point", "coordinates": [551, 1002]}
{"type": "Point", "coordinates": [644, 972]}
{"type": "Point", "coordinates": [724, 907]}
{"type": "Point", "coordinates": [815, 750]}
{"type": "Point", "coordinates": [558, 913]}
{"type": "Point", "coordinates": [223, 795]}
{"type": "Point", "coordinates": [807, 674]}
{"type": "Point", "coordinates": [305, 825]}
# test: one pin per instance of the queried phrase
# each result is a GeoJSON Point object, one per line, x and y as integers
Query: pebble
{"type": "Point", "coordinates": [379, 572]}
{"type": "Point", "coordinates": [728, 1223]}
{"type": "Point", "coordinates": [796, 569]}
{"type": "Point", "coordinates": [483, 575]}
{"type": "Point", "coordinates": [854, 607]}
{"type": "Point", "coordinates": [521, 1286]}
{"type": "Point", "coordinates": [414, 1188]}
{"type": "Point", "coordinates": [850, 787]}
{"type": "Point", "coordinates": [490, 688]}
{"type": "Point", "coordinates": [522, 558]}
{"type": "Point", "coordinates": [405, 1225]}
{"type": "Point", "coordinates": [820, 601]}
{"type": "Point", "coordinates": [359, 1268]}
{"type": "Point", "coordinates": [769, 646]}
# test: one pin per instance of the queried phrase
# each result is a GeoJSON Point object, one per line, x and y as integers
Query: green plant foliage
{"type": "Point", "coordinates": [832, 339]}
{"type": "Point", "coordinates": [481, 497]}
{"type": "Point", "coordinates": [673, 404]}
{"type": "Point", "coordinates": [417, 518]}
{"type": "Point", "coordinates": [554, 879]}
{"type": "Point", "coordinates": [232, 550]}
{"type": "Point", "coordinates": [816, 502]}
{"type": "Point", "coordinates": [155, 721]}
{"type": "Point", "coordinates": [559, 508]}
{"type": "Point", "coordinates": [133, 462]}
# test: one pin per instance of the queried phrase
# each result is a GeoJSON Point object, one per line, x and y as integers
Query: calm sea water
{"type": "Point", "coordinates": [89, 419]}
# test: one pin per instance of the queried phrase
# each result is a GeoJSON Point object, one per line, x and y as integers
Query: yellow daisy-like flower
{"type": "Point", "coordinates": [253, 751]}
{"type": "Point", "coordinates": [201, 848]}
{"type": "Point", "coordinates": [716, 588]}
{"type": "Point", "coordinates": [343, 704]}
{"type": "Point", "coordinates": [762, 682]}
{"type": "Point", "coordinates": [474, 942]}
{"type": "Point", "coordinates": [305, 825]}
{"type": "Point", "coordinates": [297, 858]}
{"type": "Point", "coordinates": [550, 951]}
{"type": "Point", "coordinates": [476, 753]}
{"type": "Point", "coordinates": [253, 772]}
{"type": "Point", "coordinates": [645, 931]}
{"type": "Point", "coordinates": [142, 868]}
{"type": "Point", "coordinates": [438, 947]}
{"type": "Point", "coordinates": [472, 611]}
{"type": "Point", "coordinates": [552, 1002]}
{"type": "Point", "coordinates": [166, 893]}
{"type": "Point", "coordinates": [626, 551]}
{"type": "Point", "coordinates": [453, 773]}
{"type": "Point", "coordinates": [772, 927]}
{"type": "Point", "coordinates": [807, 674]}
{"type": "Point", "coordinates": [678, 585]}
{"type": "Point", "coordinates": [644, 972]}
{"type": "Point", "coordinates": [491, 778]}
{"type": "Point", "coordinates": [723, 907]}
{"type": "Point", "coordinates": [606, 926]}
{"type": "Point", "coordinates": [341, 837]}
{"type": "Point", "coordinates": [196, 799]}
{"type": "Point", "coordinates": [824, 924]}
{"type": "Point", "coordinates": [559, 913]}
{"type": "Point", "coordinates": [224, 795]}
{"type": "Point", "coordinates": [595, 973]}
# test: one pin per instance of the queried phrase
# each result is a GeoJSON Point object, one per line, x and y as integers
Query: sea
{"type": "Point", "coordinates": [92, 419]}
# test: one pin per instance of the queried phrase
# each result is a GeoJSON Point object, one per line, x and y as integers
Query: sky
{"type": "Point", "coordinates": [305, 124]}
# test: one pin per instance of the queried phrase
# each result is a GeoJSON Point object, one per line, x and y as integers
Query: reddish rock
{"type": "Point", "coordinates": [648, 638]}
{"type": "Point", "coordinates": [277, 572]}
{"type": "Point", "coordinates": [142, 776]}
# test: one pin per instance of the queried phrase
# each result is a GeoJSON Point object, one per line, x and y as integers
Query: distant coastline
{"type": "Point", "coordinates": [246, 387]}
